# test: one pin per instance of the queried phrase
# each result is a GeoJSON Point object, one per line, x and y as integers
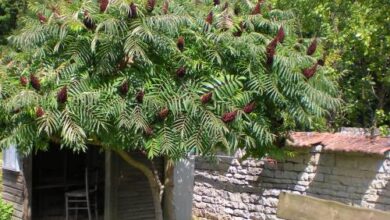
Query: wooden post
{"type": "Point", "coordinates": [27, 191]}
{"type": "Point", "coordinates": [110, 186]}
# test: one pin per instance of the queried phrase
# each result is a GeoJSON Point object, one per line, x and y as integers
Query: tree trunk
{"type": "Point", "coordinates": [155, 184]}
{"type": "Point", "coordinates": [169, 206]}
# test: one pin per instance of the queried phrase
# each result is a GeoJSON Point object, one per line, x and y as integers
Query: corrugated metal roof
{"type": "Point", "coordinates": [341, 142]}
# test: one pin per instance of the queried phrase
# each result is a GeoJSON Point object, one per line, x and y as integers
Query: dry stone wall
{"type": "Point", "coordinates": [230, 189]}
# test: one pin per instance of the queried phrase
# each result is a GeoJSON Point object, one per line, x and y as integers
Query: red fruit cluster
{"type": "Point", "coordinates": [165, 7]}
{"type": "Point", "coordinates": [181, 72]}
{"type": "Point", "coordinates": [122, 64]}
{"type": "Point", "coordinates": [271, 50]}
{"type": "Point", "coordinates": [163, 114]}
{"type": "Point", "coordinates": [257, 9]}
{"type": "Point", "coordinates": [124, 88]}
{"type": "Point", "coordinates": [140, 96]}
{"type": "Point", "coordinates": [23, 80]}
{"type": "Point", "coordinates": [309, 72]}
{"type": "Point", "coordinates": [133, 10]}
{"type": "Point", "coordinates": [225, 6]}
{"type": "Point", "coordinates": [312, 48]}
{"type": "Point", "coordinates": [88, 21]}
{"type": "Point", "coordinates": [217, 2]}
{"type": "Point", "coordinates": [35, 83]}
{"type": "Point", "coordinates": [237, 10]}
{"type": "Point", "coordinates": [39, 112]}
{"type": "Point", "coordinates": [239, 31]}
{"type": "Point", "coordinates": [321, 62]}
{"type": "Point", "coordinates": [271, 47]}
{"type": "Point", "coordinates": [149, 131]}
{"type": "Point", "coordinates": [150, 4]}
{"type": "Point", "coordinates": [249, 107]}
{"type": "Point", "coordinates": [281, 35]}
{"type": "Point", "coordinates": [103, 5]}
{"type": "Point", "coordinates": [229, 116]}
{"type": "Point", "coordinates": [62, 95]}
{"type": "Point", "coordinates": [206, 97]}
{"type": "Point", "coordinates": [41, 18]}
{"type": "Point", "coordinates": [209, 18]}
{"type": "Point", "coordinates": [180, 43]}
{"type": "Point", "coordinates": [16, 111]}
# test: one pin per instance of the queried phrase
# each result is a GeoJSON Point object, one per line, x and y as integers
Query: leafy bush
{"type": "Point", "coordinates": [5, 210]}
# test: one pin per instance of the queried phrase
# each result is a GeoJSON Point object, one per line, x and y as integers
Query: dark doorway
{"type": "Point", "coordinates": [58, 171]}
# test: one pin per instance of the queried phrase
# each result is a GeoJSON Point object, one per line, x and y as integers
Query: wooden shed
{"type": "Point", "coordinates": [36, 184]}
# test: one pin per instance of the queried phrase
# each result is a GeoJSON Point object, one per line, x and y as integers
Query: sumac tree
{"type": "Point", "coordinates": [161, 77]}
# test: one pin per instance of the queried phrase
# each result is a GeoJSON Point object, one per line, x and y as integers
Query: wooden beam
{"type": "Point", "coordinates": [27, 191]}
{"type": "Point", "coordinates": [110, 186]}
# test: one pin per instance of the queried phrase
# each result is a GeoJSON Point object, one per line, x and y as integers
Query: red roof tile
{"type": "Point", "coordinates": [342, 142]}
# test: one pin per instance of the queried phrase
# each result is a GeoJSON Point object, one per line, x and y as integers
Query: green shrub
{"type": "Point", "coordinates": [5, 210]}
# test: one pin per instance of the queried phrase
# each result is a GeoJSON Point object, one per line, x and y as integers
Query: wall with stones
{"type": "Point", "coordinates": [230, 189]}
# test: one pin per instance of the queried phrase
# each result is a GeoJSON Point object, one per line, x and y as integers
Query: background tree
{"type": "Point", "coordinates": [357, 40]}
{"type": "Point", "coordinates": [9, 11]}
{"type": "Point", "coordinates": [162, 77]}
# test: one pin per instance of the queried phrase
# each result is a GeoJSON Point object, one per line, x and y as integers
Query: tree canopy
{"type": "Point", "coordinates": [166, 77]}
{"type": "Point", "coordinates": [356, 36]}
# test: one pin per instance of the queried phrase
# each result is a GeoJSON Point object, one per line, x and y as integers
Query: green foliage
{"type": "Point", "coordinates": [90, 65]}
{"type": "Point", "coordinates": [383, 119]}
{"type": "Point", "coordinates": [6, 210]}
{"type": "Point", "coordinates": [9, 10]}
{"type": "Point", "coordinates": [357, 40]}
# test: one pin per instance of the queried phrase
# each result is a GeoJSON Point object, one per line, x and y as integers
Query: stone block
{"type": "Point", "coordinates": [257, 216]}
{"type": "Point", "coordinates": [310, 169]}
{"type": "Point", "coordinates": [314, 159]}
{"type": "Point", "coordinates": [235, 162]}
{"type": "Point", "coordinates": [379, 184]}
{"type": "Point", "coordinates": [243, 171]}
{"type": "Point", "coordinates": [235, 197]}
{"type": "Point", "coordinates": [254, 199]}
{"type": "Point", "coordinates": [383, 176]}
{"type": "Point", "coordinates": [271, 217]}
{"type": "Point", "coordinates": [229, 211]}
{"type": "Point", "coordinates": [271, 192]}
{"type": "Point", "coordinates": [270, 201]}
{"type": "Point", "coordinates": [346, 161]}
{"type": "Point", "coordinates": [369, 163]}
{"type": "Point", "coordinates": [306, 176]}
{"type": "Point", "coordinates": [354, 173]}
{"type": "Point", "coordinates": [298, 159]}
{"type": "Point", "coordinates": [239, 176]}
{"type": "Point", "coordinates": [324, 169]}
{"type": "Point", "coordinates": [327, 159]}
{"type": "Point", "coordinates": [239, 213]}
{"type": "Point", "coordinates": [286, 175]}
{"type": "Point", "coordinates": [197, 198]}
{"type": "Point", "coordinates": [232, 169]}
{"type": "Point", "coordinates": [303, 183]}
{"type": "Point", "coordinates": [268, 173]}
{"type": "Point", "coordinates": [254, 170]}
{"type": "Point", "coordinates": [370, 197]}
{"type": "Point", "coordinates": [367, 204]}
{"type": "Point", "coordinates": [269, 210]}
{"type": "Point", "coordinates": [242, 206]}
{"type": "Point", "coordinates": [299, 188]}
{"type": "Point", "coordinates": [200, 205]}
{"type": "Point", "coordinates": [251, 178]}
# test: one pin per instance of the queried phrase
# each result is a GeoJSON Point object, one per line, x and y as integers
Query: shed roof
{"type": "Point", "coordinates": [341, 142]}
